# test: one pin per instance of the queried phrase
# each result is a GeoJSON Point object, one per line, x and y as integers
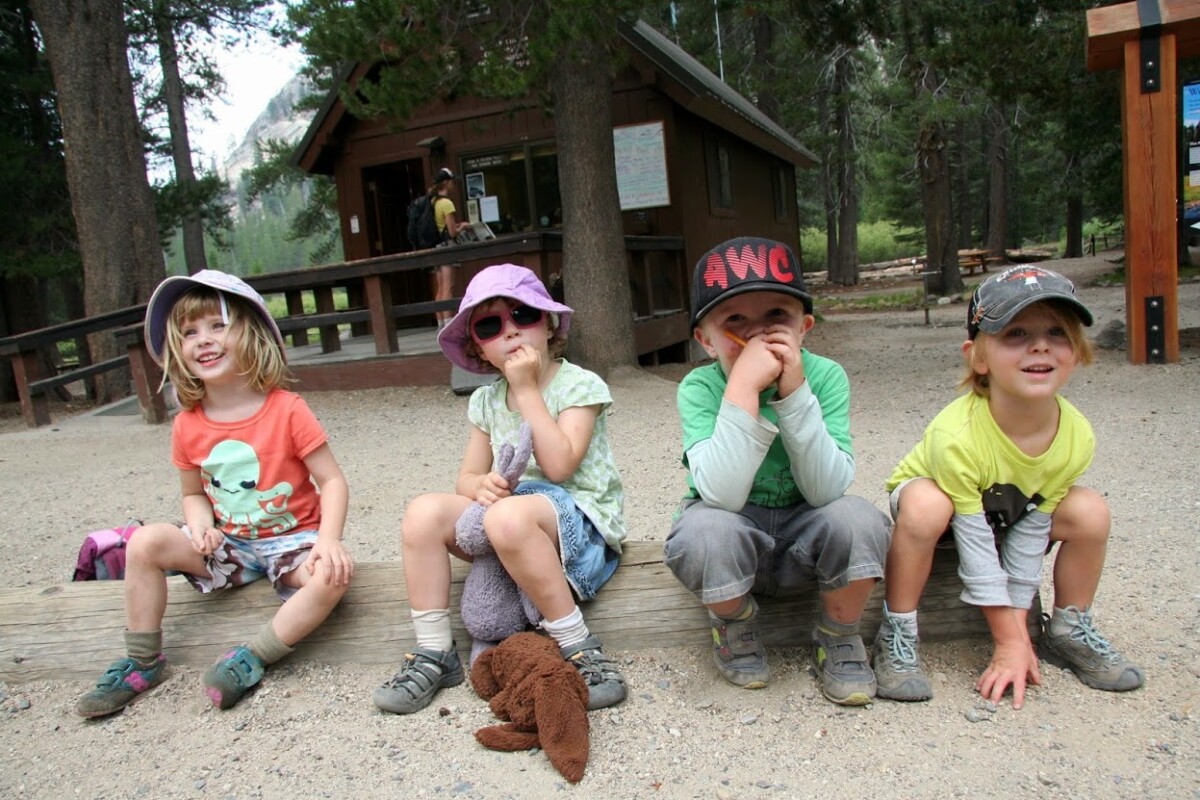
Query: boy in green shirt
{"type": "Point", "coordinates": [766, 439]}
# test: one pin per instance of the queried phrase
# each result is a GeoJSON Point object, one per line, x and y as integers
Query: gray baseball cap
{"type": "Point", "coordinates": [1001, 297]}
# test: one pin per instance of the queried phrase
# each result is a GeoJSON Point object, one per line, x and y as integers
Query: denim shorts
{"type": "Point", "coordinates": [588, 562]}
{"type": "Point", "coordinates": [238, 561]}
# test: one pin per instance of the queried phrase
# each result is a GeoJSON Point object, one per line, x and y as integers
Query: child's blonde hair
{"type": "Point", "coordinates": [258, 357]}
{"type": "Point", "coordinates": [1064, 315]}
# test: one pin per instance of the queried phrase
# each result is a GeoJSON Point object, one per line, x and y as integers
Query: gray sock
{"type": "Point", "coordinates": [267, 647]}
{"type": "Point", "coordinates": [143, 646]}
{"type": "Point", "coordinates": [834, 628]}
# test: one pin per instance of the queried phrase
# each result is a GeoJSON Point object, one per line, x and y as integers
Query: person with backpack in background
{"type": "Point", "coordinates": [433, 222]}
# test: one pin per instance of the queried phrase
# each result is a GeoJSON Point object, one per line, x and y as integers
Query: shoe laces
{"type": "Point", "coordinates": [901, 646]}
{"type": "Point", "coordinates": [1084, 631]}
{"type": "Point", "coordinates": [594, 666]}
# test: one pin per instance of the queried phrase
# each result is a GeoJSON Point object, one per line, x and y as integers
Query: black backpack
{"type": "Point", "coordinates": [422, 227]}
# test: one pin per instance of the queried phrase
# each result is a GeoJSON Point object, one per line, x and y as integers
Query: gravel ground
{"type": "Point", "coordinates": [311, 731]}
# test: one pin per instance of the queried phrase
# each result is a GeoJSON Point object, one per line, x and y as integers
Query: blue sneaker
{"type": "Point", "coordinates": [123, 681]}
{"type": "Point", "coordinates": [235, 673]}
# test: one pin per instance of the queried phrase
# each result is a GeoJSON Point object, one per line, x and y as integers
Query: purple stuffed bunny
{"type": "Point", "coordinates": [493, 606]}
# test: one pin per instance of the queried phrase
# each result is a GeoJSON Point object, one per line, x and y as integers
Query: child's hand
{"type": "Point", "coordinates": [757, 366]}
{"type": "Point", "coordinates": [1012, 663]}
{"type": "Point", "coordinates": [339, 566]}
{"type": "Point", "coordinates": [493, 487]}
{"type": "Point", "coordinates": [784, 343]}
{"type": "Point", "coordinates": [523, 367]}
{"type": "Point", "coordinates": [208, 540]}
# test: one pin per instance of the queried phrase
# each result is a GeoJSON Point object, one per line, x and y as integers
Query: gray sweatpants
{"type": "Point", "coordinates": [721, 555]}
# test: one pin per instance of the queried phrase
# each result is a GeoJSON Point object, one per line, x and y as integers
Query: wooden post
{"type": "Point", "coordinates": [1144, 39]}
{"type": "Point", "coordinates": [383, 324]}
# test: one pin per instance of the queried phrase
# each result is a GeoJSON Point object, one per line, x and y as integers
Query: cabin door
{"type": "Point", "coordinates": [389, 188]}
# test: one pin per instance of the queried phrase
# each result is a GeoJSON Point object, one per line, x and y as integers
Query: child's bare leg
{"type": "Point", "coordinates": [524, 531]}
{"type": "Point", "coordinates": [315, 597]}
{"type": "Point", "coordinates": [426, 541]}
{"type": "Point", "coordinates": [1081, 522]}
{"type": "Point", "coordinates": [924, 515]}
{"type": "Point", "coordinates": [152, 550]}
{"type": "Point", "coordinates": [845, 605]}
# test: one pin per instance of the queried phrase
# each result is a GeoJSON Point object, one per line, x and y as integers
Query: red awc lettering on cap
{"type": "Point", "coordinates": [757, 260]}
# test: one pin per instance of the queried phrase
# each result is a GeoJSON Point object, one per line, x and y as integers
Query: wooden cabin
{"type": "Point", "coordinates": [696, 162]}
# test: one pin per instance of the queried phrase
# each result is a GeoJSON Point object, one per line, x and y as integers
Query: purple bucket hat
{"type": "Point", "coordinates": [499, 280]}
{"type": "Point", "coordinates": [158, 310]}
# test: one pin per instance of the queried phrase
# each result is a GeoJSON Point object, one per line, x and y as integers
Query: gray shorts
{"type": "Point", "coordinates": [721, 555]}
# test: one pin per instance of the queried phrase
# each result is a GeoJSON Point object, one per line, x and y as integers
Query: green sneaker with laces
{"type": "Point", "coordinates": [235, 673]}
{"type": "Point", "coordinates": [120, 684]}
{"type": "Point", "coordinates": [843, 668]}
{"type": "Point", "coordinates": [422, 675]}
{"type": "Point", "coordinates": [898, 671]}
{"type": "Point", "coordinates": [1089, 655]}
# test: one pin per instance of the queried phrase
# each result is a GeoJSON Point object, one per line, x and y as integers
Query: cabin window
{"type": "Point", "coordinates": [720, 174]}
{"type": "Point", "coordinates": [513, 189]}
{"type": "Point", "coordinates": [781, 203]}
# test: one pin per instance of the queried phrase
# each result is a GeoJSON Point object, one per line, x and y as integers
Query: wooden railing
{"type": "Point", "coordinates": [655, 267]}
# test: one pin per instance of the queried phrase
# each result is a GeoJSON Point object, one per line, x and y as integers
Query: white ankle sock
{"type": "Point", "coordinates": [907, 619]}
{"type": "Point", "coordinates": [569, 630]}
{"type": "Point", "coordinates": [432, 628]}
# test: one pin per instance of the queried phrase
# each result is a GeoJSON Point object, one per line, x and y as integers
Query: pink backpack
{"type": "Point", "coordinates": [102, 555]}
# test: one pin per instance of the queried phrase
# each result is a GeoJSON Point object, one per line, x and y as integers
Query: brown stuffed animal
{"type": "Point", "coordinates": [544, 698]}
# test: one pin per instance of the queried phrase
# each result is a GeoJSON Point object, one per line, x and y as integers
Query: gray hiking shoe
{"type": "Point", "coordinates": [898, 671]}
{"type": "Point", "coordinates": [123, 681]}
{"type": "Point", "coordinates": [422, 675]}
{"type": "Point", "coordinates": [843, 668]}
{"type": "Point", "coordinates": [1089, 655]}
{"type": "Point", "coordinates": [738, 650]}
{"type": "Point", "coordinates": [605, 683]}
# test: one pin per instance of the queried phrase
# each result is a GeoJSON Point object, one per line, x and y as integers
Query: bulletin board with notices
{"type": "Point", "coordinates": [641, 159]}
{"type": "Point", "coordinates": [1191, 145]}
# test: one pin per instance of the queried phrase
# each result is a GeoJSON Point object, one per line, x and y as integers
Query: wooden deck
{"type": "Point", "coordinates": [74, 630]}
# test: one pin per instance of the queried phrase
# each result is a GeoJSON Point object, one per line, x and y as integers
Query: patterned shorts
{"type": "Point", "coordinates": [237, 561]}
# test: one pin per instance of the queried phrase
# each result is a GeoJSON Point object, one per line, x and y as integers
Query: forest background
{"type": "Point", "coordinates": [939, 124]}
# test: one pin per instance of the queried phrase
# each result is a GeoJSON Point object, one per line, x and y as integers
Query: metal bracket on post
{"type": "Point", "coordinates": [1150, 22]}
{"type": "Point", "coordinates": [1156, 337]}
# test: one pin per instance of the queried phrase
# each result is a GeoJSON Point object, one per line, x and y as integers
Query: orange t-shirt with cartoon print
{"type": "Point", "coordinates": [253, 470]}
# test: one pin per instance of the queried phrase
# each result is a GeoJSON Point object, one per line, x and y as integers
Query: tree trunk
{"type": "Point", "coordinates": [1074, 246]}
{"type": "Point", "coordinates": [595, 274]}
{"type": "Point", "coordinates": [765, 72]}
{"type": "Point", "coordinates": [181, 148]}
{"type": "Point", "coordinates": [997, 238]}
{"type": "Point", "coordinates": [844, 268]}
{"type": "Point", "coordinates": [828, 187]}
{"type": "Point", "coordinates": [962, 186]}
{"type": "Point", "coordinates": [106, 168]}
{"type": "Point", "coordinates": [934, 171]}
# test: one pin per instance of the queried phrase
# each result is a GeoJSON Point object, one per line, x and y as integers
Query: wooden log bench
{"type": "Point", "coordinates": [74, 630]}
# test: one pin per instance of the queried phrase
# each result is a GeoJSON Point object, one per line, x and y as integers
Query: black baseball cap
{"type": "Point", "coordinates": [443, 174]}
{"type": "Point", "coordinates": [1001, 297]}
{"type": "Point", "coordinates": [746, 264]}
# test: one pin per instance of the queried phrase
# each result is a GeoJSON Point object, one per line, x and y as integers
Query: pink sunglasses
{"type": "Point", "coordinates": [484, 329]}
